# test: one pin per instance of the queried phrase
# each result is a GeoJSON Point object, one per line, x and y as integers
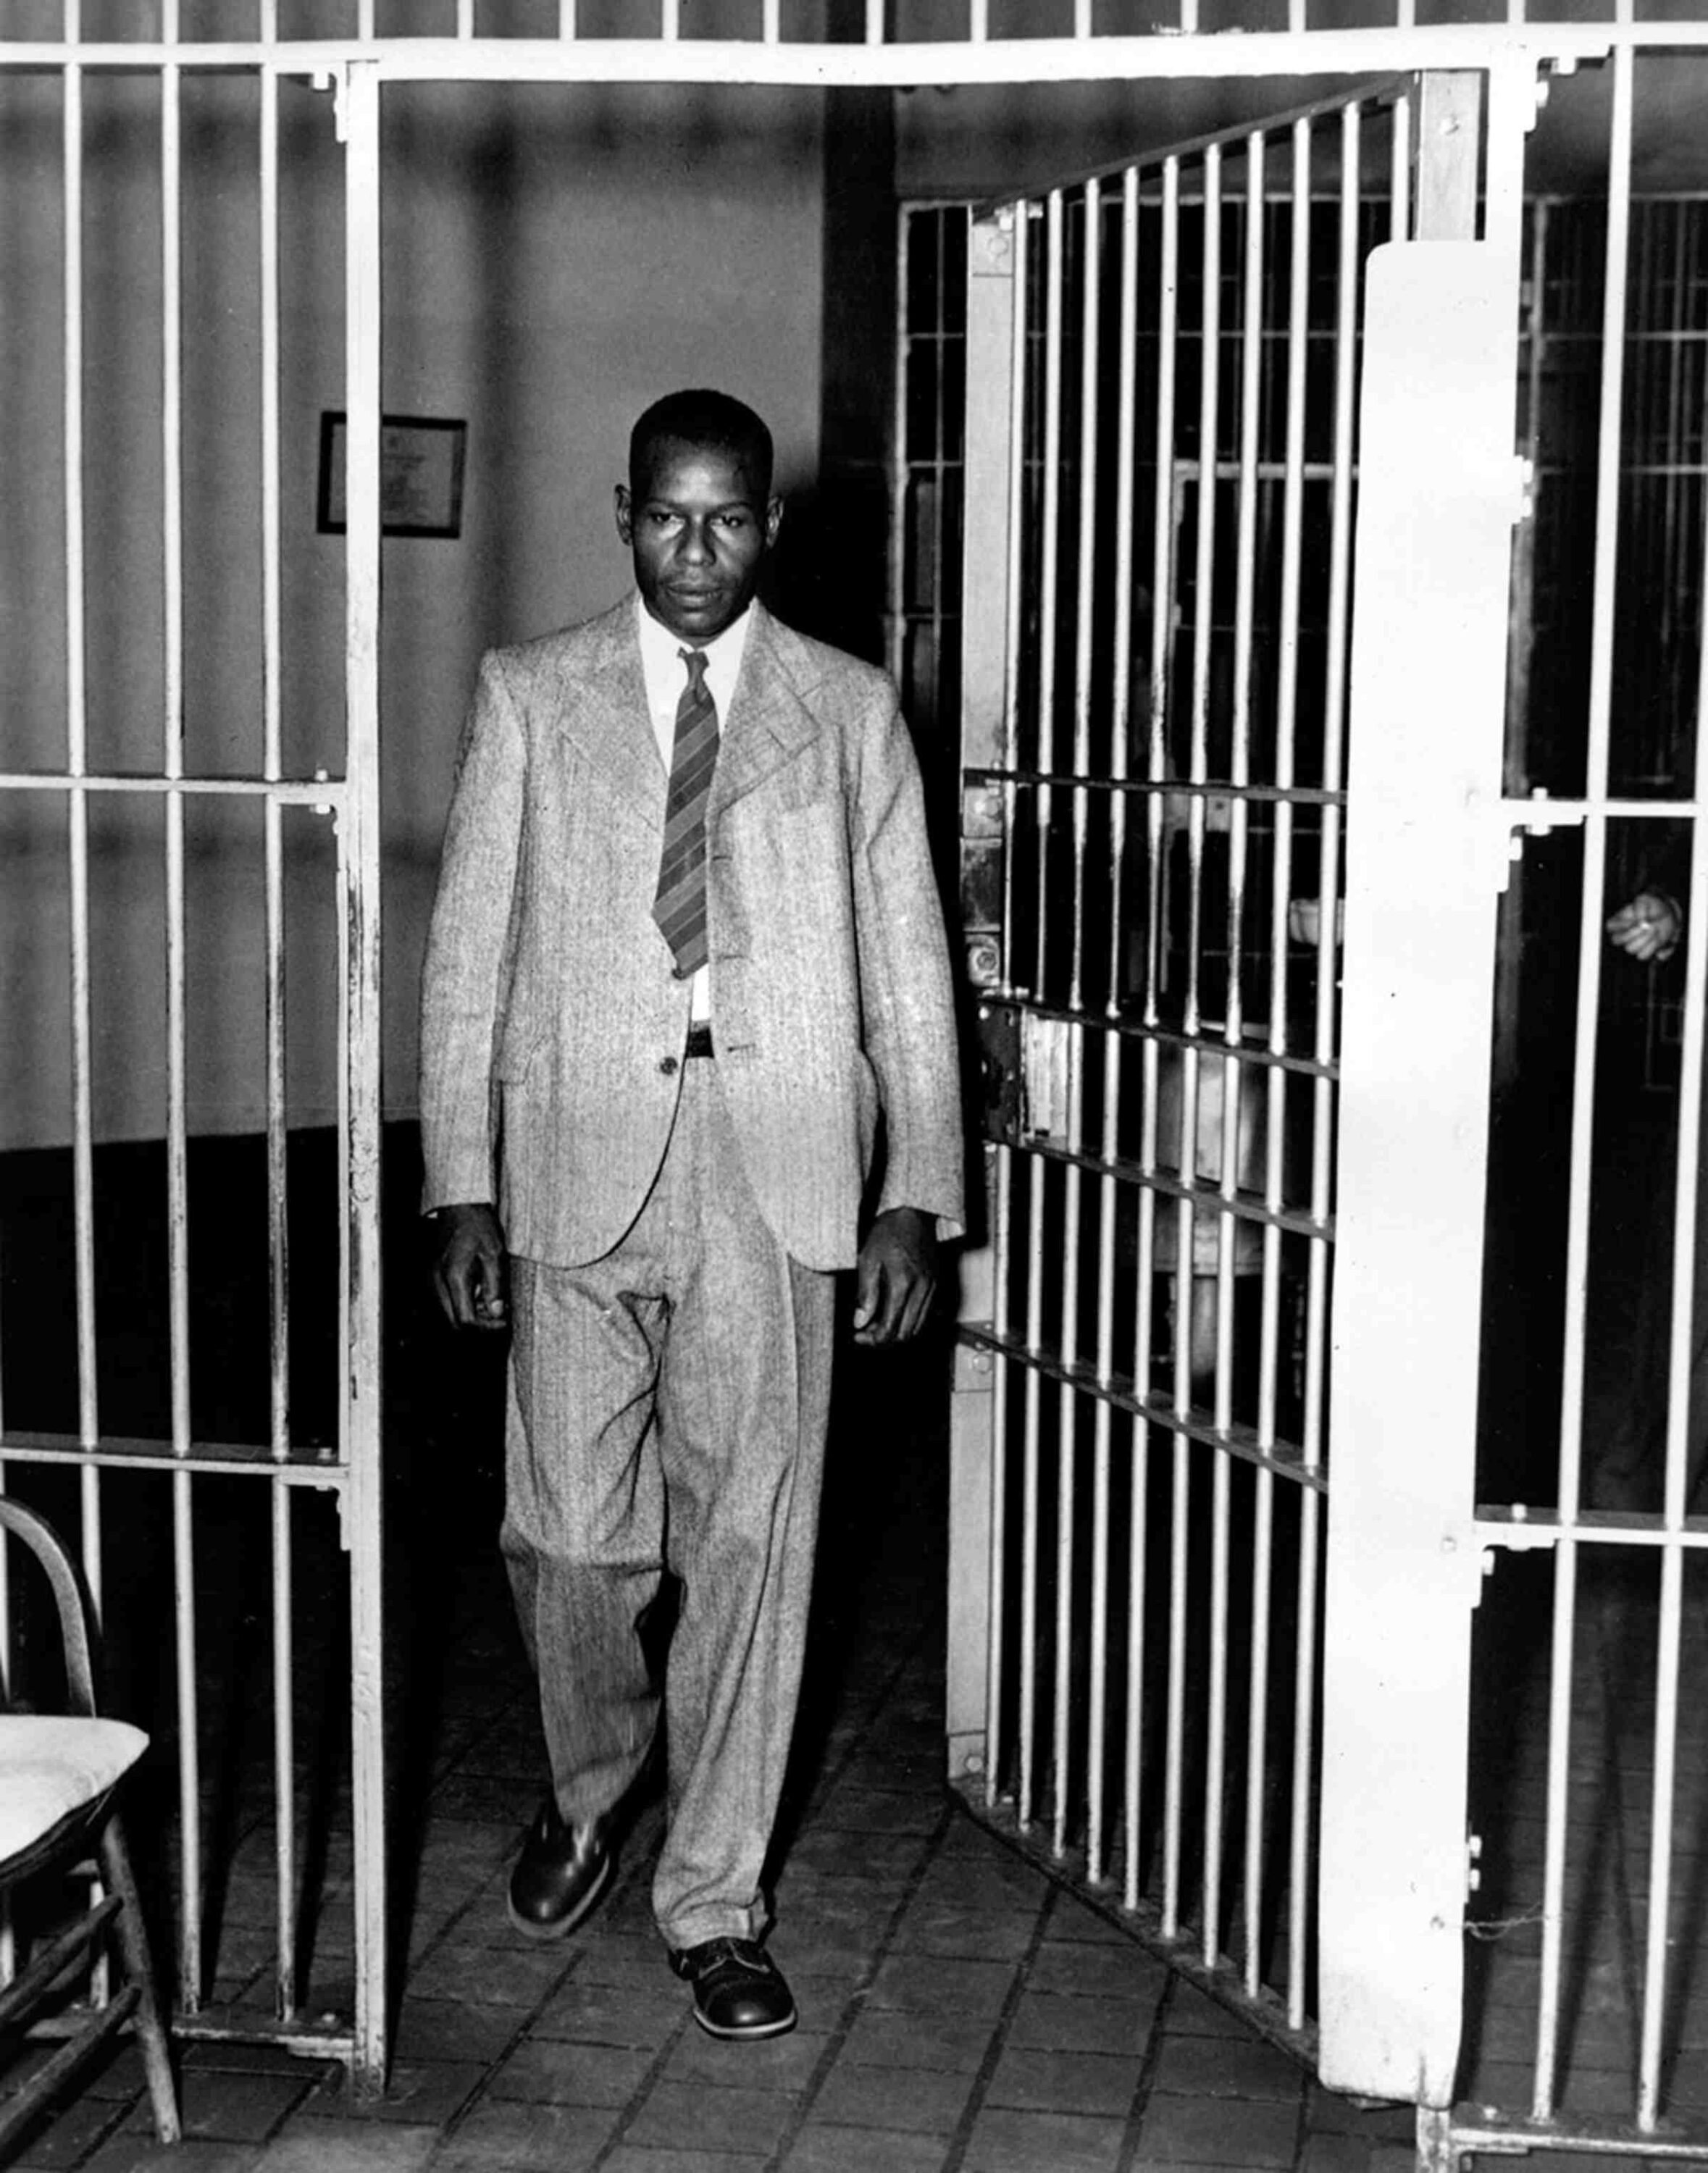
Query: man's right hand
{"type": "Point", "coordinates": [470, 1271]}
{"type": "Point", "coordinates": [1648, 927]}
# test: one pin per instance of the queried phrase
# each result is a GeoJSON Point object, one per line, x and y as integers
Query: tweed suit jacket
{"type": "Point", "coordinates": [552, 1023]}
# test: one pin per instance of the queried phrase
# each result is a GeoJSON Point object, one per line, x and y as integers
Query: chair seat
{"type": "Point", "coordinates": [52, 1765]}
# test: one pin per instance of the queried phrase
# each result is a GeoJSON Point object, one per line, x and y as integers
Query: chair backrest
{"type": "Point", "coordinates": [77, 1621]}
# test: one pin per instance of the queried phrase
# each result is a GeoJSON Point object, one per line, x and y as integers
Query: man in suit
{"type": "Point", "coordinates": [685, 963]}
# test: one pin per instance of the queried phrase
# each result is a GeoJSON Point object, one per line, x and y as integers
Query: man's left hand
{"type": "Point", "coordinates": [896, 1282]}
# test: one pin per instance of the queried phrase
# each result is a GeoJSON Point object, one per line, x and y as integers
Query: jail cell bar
{"type": "Point", "coordinates": [1161, 375]}
{"type": "Point", "coordinates": [1596, 1551]}
{"type": "Point", "coordinates": [351, 1472]}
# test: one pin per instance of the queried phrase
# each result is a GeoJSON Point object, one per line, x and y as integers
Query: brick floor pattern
{"type": "Point", "coordinates": [961, 2012]}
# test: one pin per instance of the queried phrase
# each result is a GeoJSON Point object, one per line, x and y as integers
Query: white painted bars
{"type": "Point", "coordinates": [1205, 1785]}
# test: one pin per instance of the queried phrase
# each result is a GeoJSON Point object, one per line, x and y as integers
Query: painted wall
{"type": "Point", "coordinates": [553, 259]}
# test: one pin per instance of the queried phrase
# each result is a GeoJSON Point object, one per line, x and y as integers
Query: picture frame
{"type": "Point", "coordinates": [421, 475]}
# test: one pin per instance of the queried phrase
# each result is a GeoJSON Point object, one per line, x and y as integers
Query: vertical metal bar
{"type": "Point", "coordinates": [1026, 1799]}
{"type": "Point", "coordinates": [772, 26]}
{"type": "Point", "coordinates": [1084, 604]}
{"type": "Point", "coordinates": [1049, 569]}
{"type": "Point", "coordinates": [77, 813]}
{"type": "Point", "coordinates": [1097, 1750]}
{"type": "Point", "coordinates": [1281, 1024]}
{"type": "Point", "coordinates": [1002, 1240]}
{"type": "Point", "coordinates": [1662, 1806]}
{"type": "Point", "coordinates": [278, 1239]}
{"type": "Point", "coordinates": [1216, 1774]}
{"type": "Point", "coordinates": [1020, 383]}
{"type": "Point", "coordinates": [466, 18]}
{"type": "Point", "coordinates": [1185, 1212]}
{"type": "Point", "coordinates": [1252, 331]}
{"type": "Point", "coordinates": [978, 21]}
{"type": "Point", "coordinates": [360, 858]}
{"type": "Point", "coordinates": [1399, 170]}
{"type": "Point", "coordinates": [978, 1414]}
{"type": "Point", "coordinates": [874, 21]}
{"type": "Point", "coordinates": [900, 467]}
{"type": "Point", "coordinates": [1042, 799]}
{"type": "Point", "coordinates": [1311, 1427]}
{"type": "Point", "coordinates": [1161, 607]}
{"type": "Point", "coordinates": [566, 18]}
{"type": "Point", "coordinates": [1020, 366]}
{"type": "Point", "coordinates": [1603, 585]}
{"type": "Point", "coordinates": [177, 1144]}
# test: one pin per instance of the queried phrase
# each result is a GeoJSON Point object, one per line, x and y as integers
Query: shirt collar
{"type": "Point", "coordinates": [661, 650]}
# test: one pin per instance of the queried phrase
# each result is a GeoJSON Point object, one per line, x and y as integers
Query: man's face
{"type": "Point", "coordinates": [698, 531]}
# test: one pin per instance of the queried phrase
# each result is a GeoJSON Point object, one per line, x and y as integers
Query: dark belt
{"type": "Point", "coordinates": [699, 1042]}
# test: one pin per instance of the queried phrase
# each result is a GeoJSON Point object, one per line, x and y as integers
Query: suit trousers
{"type": "Point", "coordinates": [667, 1410]}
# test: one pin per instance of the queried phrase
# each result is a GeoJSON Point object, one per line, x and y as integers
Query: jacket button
{"type": "Point", "coordinates": [667, 1064]}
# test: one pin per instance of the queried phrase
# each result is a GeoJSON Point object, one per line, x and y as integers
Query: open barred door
{"type": "Point", "coordinates": [1236, 1165]}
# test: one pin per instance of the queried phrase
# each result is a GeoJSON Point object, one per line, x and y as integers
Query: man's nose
{"type": "Point", "coordinates": [697, 543]}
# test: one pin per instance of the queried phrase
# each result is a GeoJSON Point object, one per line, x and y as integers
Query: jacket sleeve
{"type": "Point", "coordinates": [906, 993]}
{"type": "Point", "coordinates": [469, 944]}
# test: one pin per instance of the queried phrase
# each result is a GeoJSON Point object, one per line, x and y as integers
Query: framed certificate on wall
{"type": "Point", "coordinates": [421, 465]}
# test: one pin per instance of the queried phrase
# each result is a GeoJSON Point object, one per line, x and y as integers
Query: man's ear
{"type": "Point", "coordinates": [625, 514]}
{"type": "Point", "coordinates": [774, 521]}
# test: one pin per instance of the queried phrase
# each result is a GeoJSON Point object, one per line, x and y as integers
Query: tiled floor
{"type": "Point", "coordinates": [959, 2010]}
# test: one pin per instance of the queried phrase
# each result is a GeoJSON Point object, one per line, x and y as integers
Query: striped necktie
{"type": "Point", "coordinates": [679, 906]}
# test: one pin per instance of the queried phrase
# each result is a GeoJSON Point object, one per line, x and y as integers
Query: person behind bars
{"type": "Point", "coordinates": [686, 971]}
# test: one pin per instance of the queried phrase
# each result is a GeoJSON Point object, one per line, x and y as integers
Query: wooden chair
{"type": "Point", "coordinates": [59, 1777]}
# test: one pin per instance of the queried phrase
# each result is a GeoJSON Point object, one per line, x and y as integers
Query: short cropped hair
{"type": "Point", "coordinates": [702, 418]}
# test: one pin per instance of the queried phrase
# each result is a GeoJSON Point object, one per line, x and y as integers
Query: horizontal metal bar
{"type": "Point", "coordinates": [1206, 1193]}
{"type": "Point", "coordinates": [1284, 1457]}
{"type": "Point", "coordinates": [1294, 795]}
{"type": "Point", "coordinates": [304, 1467]}
{"type": "Point", "coordinates": [1520, 1530]}
{"type": "Point", "coordinates": [327, 794]}
{"type": "Point", "coordinates": [1377, 51]}
{"type": "Point", "coordinates": [1676, 2141]}
{"type": "Point", "coordinates": [1208, 1044]}
{"type": "Point", "coordinates": [308, 2044]}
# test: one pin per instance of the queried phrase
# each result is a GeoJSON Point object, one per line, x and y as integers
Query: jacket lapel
{"type": "Point", "coordinates": [768, 724]}
{"type": "Point", "coordinates": [602, 708]}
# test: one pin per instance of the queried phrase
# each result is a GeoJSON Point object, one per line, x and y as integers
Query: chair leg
{"type": "Point", "coordinates": [133, 1941]}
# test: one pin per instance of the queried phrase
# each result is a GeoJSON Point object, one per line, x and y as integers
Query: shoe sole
{"type": "Point", "coordinates": [753, 2032]}
{"type": "Point", "coordinates": [530, 1930]}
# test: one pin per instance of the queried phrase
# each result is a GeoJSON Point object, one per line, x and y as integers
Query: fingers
{"type": "Point", "coordinates": [871, 1301]}
{"type": "Point", "coordinates": [894, 1302]}
{"type": "Point", "coordinates": [470, 1279]}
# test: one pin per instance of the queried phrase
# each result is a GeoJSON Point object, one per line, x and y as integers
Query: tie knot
{"type": "Point", "coordinates": [695, 658]}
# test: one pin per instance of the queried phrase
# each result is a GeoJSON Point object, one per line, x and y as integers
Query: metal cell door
{"type": "Point", "coordinates": [191, 840]}
{"type": "Point", "coordinates": [1202, 392]}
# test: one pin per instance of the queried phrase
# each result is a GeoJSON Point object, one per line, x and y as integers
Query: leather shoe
{"type": "Point", "coordinates": [739, 1990]}
{"type": "Point", "coordinates": [560, 1873]}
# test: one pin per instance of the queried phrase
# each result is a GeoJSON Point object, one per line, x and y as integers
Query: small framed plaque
{"type": "Point", "coordinates": [420, 463]}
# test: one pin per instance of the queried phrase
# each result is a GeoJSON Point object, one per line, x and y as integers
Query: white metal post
{"type": "Point", "coordinates": [1437, 498]}
{"type": "Point", "coordinates": [359, 859]}
{"type": "Point", "coordinates": [973, 1460]}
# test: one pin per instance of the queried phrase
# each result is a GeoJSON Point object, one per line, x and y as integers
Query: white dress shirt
{"type": "Point", "coordinates": [667, 679]}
